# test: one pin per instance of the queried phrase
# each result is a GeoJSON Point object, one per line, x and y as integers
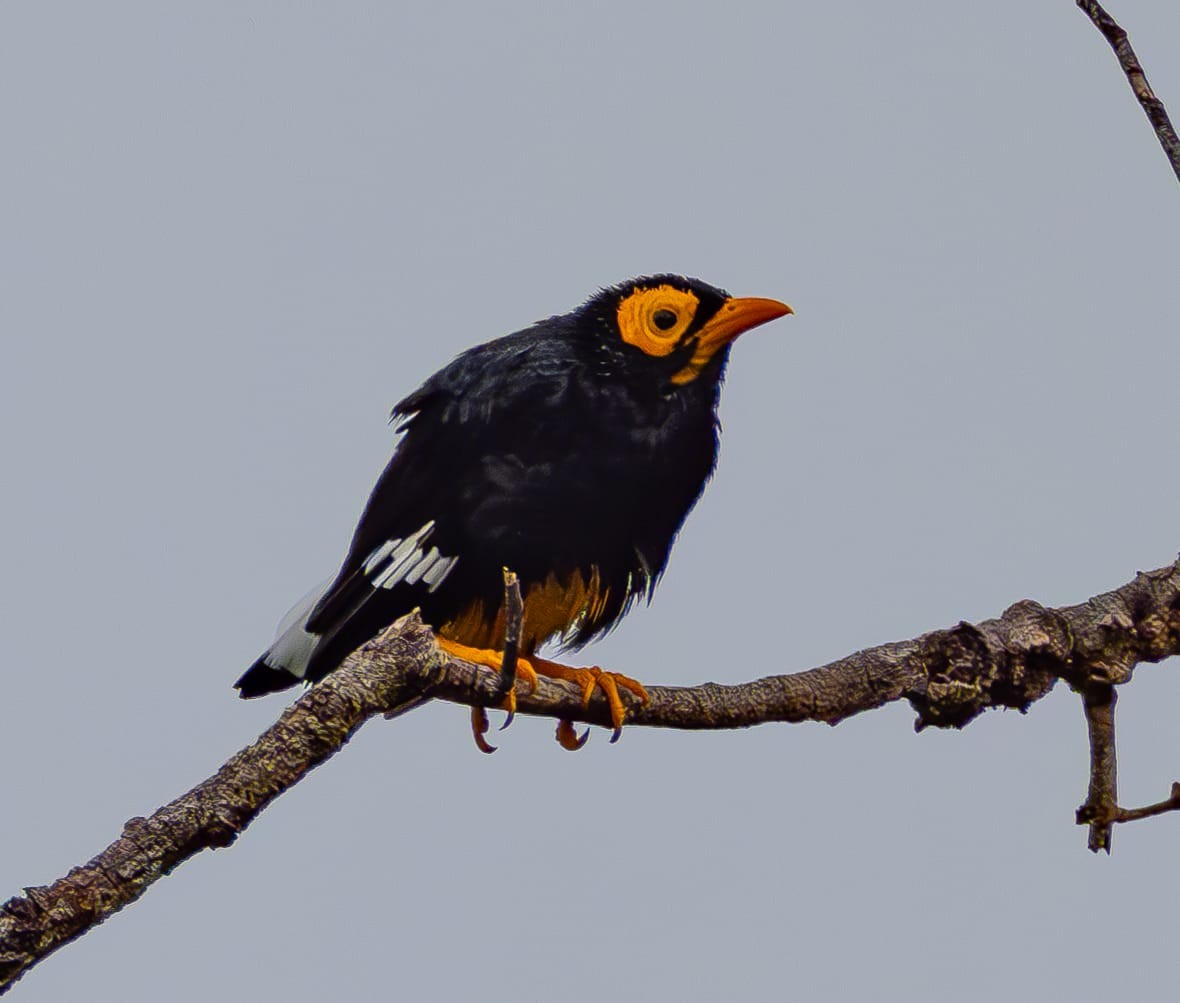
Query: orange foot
{"type": "Point", "coordinates": [589, 680]}
{"type": "Point", "coordinates": [492, 660]}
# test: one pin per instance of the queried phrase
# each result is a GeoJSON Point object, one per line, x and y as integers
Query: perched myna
{"type": "Point", "coordinates": [569, 452]}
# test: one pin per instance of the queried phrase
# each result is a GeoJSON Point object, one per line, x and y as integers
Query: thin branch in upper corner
{"type": "Point", "coordinates": [1157, 114]}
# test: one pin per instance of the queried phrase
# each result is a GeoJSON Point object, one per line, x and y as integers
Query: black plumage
{"type": "Point", "coordinates": [564, 452]}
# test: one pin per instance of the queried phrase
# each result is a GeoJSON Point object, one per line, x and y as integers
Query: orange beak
{"type": "Point", "coordinates": [735, 317]}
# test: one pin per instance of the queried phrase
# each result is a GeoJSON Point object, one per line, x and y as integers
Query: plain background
{"type": "Point", "coordinates": [234, 234]}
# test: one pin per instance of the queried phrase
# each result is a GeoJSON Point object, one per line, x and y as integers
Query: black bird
{"type": "Point", "coordinates": [569, 452]}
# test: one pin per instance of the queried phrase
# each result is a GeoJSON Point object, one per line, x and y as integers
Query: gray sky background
{"type": "Point", "coordinates": [233, 235]}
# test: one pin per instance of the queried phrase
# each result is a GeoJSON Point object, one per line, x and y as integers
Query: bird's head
{"type": "Point", "coordinates": [674, 326]}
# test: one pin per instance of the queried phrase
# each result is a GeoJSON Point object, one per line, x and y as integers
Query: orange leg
{"type": "Point", "coordinates": [590, 679]}
{"type": "Point", "coordinates": [492, 660]}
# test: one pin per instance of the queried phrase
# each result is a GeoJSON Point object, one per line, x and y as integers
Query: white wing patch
{"type": "Point", "coordinates": [404, 560]}
{"type": "Point", "coordinates": [395, 561]}
{"type": "Point", "coordinates": [293, 645]}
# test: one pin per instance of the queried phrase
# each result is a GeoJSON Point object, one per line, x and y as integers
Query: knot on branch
{"type": "Point", "coordinates": [219, 830]}
{"type": "Point", "coordinates": [20, 920]}
{"type": "Point", "coordinates": [1009, 662]}
{"type": "Point", "coordinates": [1139, 623]}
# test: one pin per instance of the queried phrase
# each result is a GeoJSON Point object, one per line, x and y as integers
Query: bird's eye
{"type": "Point", "coordinates": [655, 318]}
{"type": "Point", "coordinates": [664, 319]}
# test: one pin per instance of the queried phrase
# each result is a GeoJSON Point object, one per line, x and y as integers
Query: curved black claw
{"type": "Point", "coordinates": [479, 728]}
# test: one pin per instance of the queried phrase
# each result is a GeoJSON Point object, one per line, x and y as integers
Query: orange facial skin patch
{"type": "Point", "coordinates": [654, 320]}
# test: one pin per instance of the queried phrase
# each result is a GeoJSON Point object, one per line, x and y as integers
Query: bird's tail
{"type": "Point", "coordinates": [262, 678]}
{"type": "Point", "coordinates": [284, 663]}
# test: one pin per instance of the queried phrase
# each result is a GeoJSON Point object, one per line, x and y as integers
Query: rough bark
{"type": "Point", "coordinates": [384, 676]}
{"type": "Point", "coordinates": [949, 677]}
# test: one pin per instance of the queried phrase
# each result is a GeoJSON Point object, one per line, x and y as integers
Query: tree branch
{"type": "Point", "coordinates": [948, 676]}
{"type": "Point", "coordinates": [1153, 106]}
{"type": "Point", "coordinates": [1101, 810]}
{"type": "Point", "coordinates": [385, 675]}
{"type": "Point", "coordinates": [1101, 807]}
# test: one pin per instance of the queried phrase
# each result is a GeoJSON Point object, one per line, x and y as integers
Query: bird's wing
{"type": "Point", "coordinates": [407, 538]}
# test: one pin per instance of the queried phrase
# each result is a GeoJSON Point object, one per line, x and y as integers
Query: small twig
{"type": "Point", "coordinates": [506, 677]}
{"type": "Point", "coordinates": [514, 618]}
{"type": "Point", "coordinates": [1153, 106]}
{"type": "Point", "coordinates": [1101, 809]}
{"type": "Point", "coordinates": [1172, 803]}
